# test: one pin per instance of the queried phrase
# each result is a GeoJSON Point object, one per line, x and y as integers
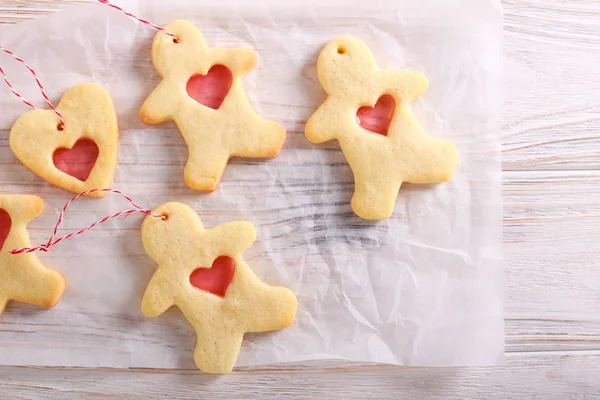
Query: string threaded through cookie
{"type": "Point", "coordinates": [143, 21]}
{"type": "Point", "coordinates": [61, 125]}
{"type": "Point", "coordinates": [52, 241]}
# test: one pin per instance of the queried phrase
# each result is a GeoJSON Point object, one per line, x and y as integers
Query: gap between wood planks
{"type": "Point", "coordinates": [324, 366]}
{"type": "Point", "coordinates": [524, 376]}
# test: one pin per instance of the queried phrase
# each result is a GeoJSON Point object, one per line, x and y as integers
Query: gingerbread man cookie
{"type": "Point", "coordinates": [81, 155]}
{"type": "Point", "coordinates": [214, 129]}
{"type": "Point", "coordinates": [381, 161]}
{"type": "Point", "coordinates": [23, 277]}
{"type": "Point", "coordinates": [202, 272]}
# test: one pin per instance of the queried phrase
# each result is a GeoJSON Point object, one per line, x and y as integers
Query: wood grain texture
{"type": "Point", "coordinates": [525, 376]}
{"type": "Point", "coordinates": [551, 149]}
{"type": "Point", "coordinates": [553, 109]}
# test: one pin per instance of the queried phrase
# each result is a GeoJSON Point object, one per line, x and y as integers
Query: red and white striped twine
{"type": "Point", "coordinates": [37, 80]}
{"type": "Point", "coordinates": [52, 241]}
{"type": "Point", "coordinates": [143, 21]}
{"type": "Point", "coordinates": [61, 125]}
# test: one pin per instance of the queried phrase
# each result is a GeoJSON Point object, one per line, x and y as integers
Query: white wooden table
{"type": "Point", "coordinates": [551, 145]}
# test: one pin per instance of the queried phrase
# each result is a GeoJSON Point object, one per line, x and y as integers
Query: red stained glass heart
{"type": "Point", "coordinates": [378, 118]}
{"type": "Point", "coordinates": [5, 225]}
{"type": "Point", "coordinates": [215, 279]}
{"type": "Point", "coordinates": [212, 88]}
{"type": "Point", "coordinates": [77, 161]}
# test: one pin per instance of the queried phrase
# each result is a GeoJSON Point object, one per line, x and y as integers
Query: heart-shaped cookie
{"type": "Point", "coordinates": [89, 116]}
{"type": "Point", "coordinates": [215, 279]}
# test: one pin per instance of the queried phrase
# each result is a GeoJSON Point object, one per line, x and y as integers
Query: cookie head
{"type": "Point", "coordinates": [162, 236]}
{"type": "Point", "coordinates": [343, 61]}
{"type": "Point", "coordinates": [170, 55]}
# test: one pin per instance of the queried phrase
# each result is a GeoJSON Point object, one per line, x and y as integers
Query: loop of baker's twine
{"type": "Point", "coordinates": [143, 21]}
{"type": "Point", "coordinates": [52, 241]}
{"type": "Point", "coordinates": [61, 124]}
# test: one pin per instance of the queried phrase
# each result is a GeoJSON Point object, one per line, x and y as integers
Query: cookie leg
{"type": "Point", "coordinates": [319, 128]}
{"type": "Point", "coordinates": [217, 355]}
{"type": "Point", "coordinates": [374, 199]}
{"type": "Point", "coordinates": [272, 308]}
{"type": "Point", "coordinates": [262, 139]}
{"type": "Point", "coordinates": [438, 159]}
{"type": "Point", "coordinates": [202, 172]}
{"type": "Point", "coordinates": [159, 106]}
{"type": "Point", "coordinates": [41, 286]}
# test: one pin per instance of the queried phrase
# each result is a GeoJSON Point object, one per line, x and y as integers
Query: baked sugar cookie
{"type": "Point", "coordinates": [81, 155]}
{"type": "Point", "coordinates": [202, 272]}
{"type": "Point", "coordinates": [202, 92]}
{"type": "Point", "coordinates": [23, 277]}
{"type": "Point", "coordinates": [380, 160]}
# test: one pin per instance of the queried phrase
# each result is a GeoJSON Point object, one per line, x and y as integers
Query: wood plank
{"type": "Point", "coordinates": [525, 376]}
{"type": "Point", "coordinates": [552, 261]}
{"type": "Point", "coordinates": [12, 12]}
{"type": "Point", "coordinates": [552, 112]}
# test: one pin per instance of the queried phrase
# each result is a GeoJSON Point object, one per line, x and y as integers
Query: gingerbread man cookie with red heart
{"type": "Point", "coordinates": [367, 110]}
{"type": "Point", "coordinates": [202, 272]}
{"type": "Point", "coordinates": [202, 92]}
{"type": "Point", "coordinates": [80, 156]}
{"type": "Point", "coordinates": [23, 277]}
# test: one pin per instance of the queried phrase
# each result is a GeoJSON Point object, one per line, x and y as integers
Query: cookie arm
{"type": "Point", "coordinates": [272, 308]}
{"type": "Point", "coordinates": [34, 283]}
{"type": "Point", "coordinates": [439, 159]}
{"type": "Point", "coordinates": [321, 126]}
{"type": "Point", "coordinates": [239, 61]}
{"type": "Point", "coordinates": [407, 85]}
{"type": "Point", "coordinates": [159, 295]}
{"type": "Point", "coordinates": [22, 208]}
{"type": "Point", "coordinates": [161, 104]}
{"type": "Point", "coordinates": [233, 238]}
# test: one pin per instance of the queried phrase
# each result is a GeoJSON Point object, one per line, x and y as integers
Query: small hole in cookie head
{"type": "Point", "coordinates": [341, 50]}
{"type": "Point", "coordinates": [60, 126]}
{"type": "Point", "coordinates": [164, 217]}
{"type": "Point", "coordinates": [176, 40]}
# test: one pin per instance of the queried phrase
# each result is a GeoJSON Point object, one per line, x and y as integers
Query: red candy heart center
{"type": "Point", "coordinates": [215, 279]}
{"type": "Point", "coordinates": [5, 225]}
{"type": "Point", "coordinates": [212, 88]}
{"type": "Point", "coordinates": [77, 161]}
{"type": "Point", "coordinates": [379, 117]}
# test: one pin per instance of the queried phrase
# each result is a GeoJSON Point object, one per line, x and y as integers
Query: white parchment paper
{"type": "Point", "coordinates": [422, 288]}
